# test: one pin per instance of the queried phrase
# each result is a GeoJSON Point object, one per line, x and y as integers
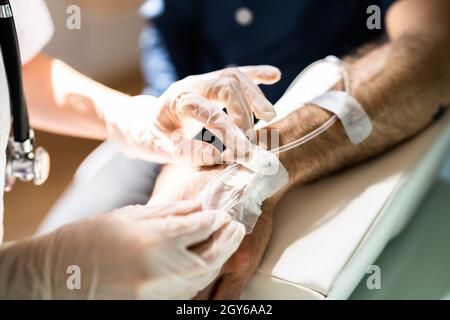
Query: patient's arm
{"type": "Point", "coordinates": [400, 84]}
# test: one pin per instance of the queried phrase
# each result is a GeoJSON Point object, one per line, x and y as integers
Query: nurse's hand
{"type": "Point", "coordinates": [162, 129]}
{"type": "Point", "coordinates": [237, 271]}
{"type": "Point", "coordinates": [143, 252]}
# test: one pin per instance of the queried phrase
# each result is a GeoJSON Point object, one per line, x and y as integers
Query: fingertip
{"type": "Point", "coordinates": [270, 73]}
{"type": "Point", "coordinates": [264, 74]}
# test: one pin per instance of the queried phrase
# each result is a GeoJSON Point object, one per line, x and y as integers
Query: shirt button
{"type": "Point", "coordinates": [244, 16]}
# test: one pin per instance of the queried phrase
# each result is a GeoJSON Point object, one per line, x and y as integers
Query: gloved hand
{"type": "Point", "coordinates": [162, 129]}
{"type": "Point", "coordinates": [135, 252]}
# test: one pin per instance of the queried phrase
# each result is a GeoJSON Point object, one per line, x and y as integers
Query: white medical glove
{"type": "Point", "coordinates": [162, 129]}
{"type": "Point", "coordinates": [143, 252]}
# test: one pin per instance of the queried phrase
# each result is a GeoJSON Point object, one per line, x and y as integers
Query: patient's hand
{"type": "Point", "coordinates": [179, 182]}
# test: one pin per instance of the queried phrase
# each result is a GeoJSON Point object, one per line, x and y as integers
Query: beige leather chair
{"type": "Point", "coordinates": [326, 234]}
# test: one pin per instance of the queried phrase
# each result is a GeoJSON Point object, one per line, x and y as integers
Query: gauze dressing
{"type": "Point", "coordinates": [241, 188]}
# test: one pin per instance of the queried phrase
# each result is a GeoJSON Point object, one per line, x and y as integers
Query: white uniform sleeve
{"type": "Point", "coordinates": [34, 26]}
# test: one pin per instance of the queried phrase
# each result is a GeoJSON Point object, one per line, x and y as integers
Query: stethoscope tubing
{"type": "Point", "coordinates": [13, 68]}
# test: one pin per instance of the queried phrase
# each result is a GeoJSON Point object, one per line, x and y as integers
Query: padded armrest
{"type": "Point", "coordinates": [327, 233]}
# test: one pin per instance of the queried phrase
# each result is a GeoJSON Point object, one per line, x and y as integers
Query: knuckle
{"type": "Point", "coordinates": [227, 81]}
{"type": "Point", "coordinates": [189, 78]}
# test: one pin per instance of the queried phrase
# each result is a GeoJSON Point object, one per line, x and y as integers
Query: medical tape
{"type": "Point", "coordinates": [350, 112]}
{"type": "Point", "coordinates": [354, 119]}
{"type": "Point", "coordinates": [241, 188]}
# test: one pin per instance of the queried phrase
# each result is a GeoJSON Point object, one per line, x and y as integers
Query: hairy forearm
{"type": "Point", "coordinates": [400, 84]}
{"type": "Point", "coordinates": [63, 101]}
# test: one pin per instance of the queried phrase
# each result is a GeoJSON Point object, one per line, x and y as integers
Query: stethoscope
{"type": "Point", "coordinates": [23, 160]}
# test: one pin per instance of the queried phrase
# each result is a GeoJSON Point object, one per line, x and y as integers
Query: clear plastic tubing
{"type": "Point", "coordinates": [306, 138]}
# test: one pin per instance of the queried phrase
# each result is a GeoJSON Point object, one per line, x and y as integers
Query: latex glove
{"type": "Point", "coordinates": [162, 129]}
{"type": "Point", "coordinates": [239, 269]}
{"type": "Point", "coordinates": [135, 252]}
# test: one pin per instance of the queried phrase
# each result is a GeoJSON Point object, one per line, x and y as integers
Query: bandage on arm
{"type": "Point", "coordinates": [392, 97]}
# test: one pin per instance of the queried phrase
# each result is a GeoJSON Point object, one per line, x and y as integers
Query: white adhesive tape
{"type": "Point", "coordinates": [353, 117]}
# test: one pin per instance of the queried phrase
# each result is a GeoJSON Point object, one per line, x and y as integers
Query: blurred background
{"type": "Point", "coordinates": [106, 26]}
